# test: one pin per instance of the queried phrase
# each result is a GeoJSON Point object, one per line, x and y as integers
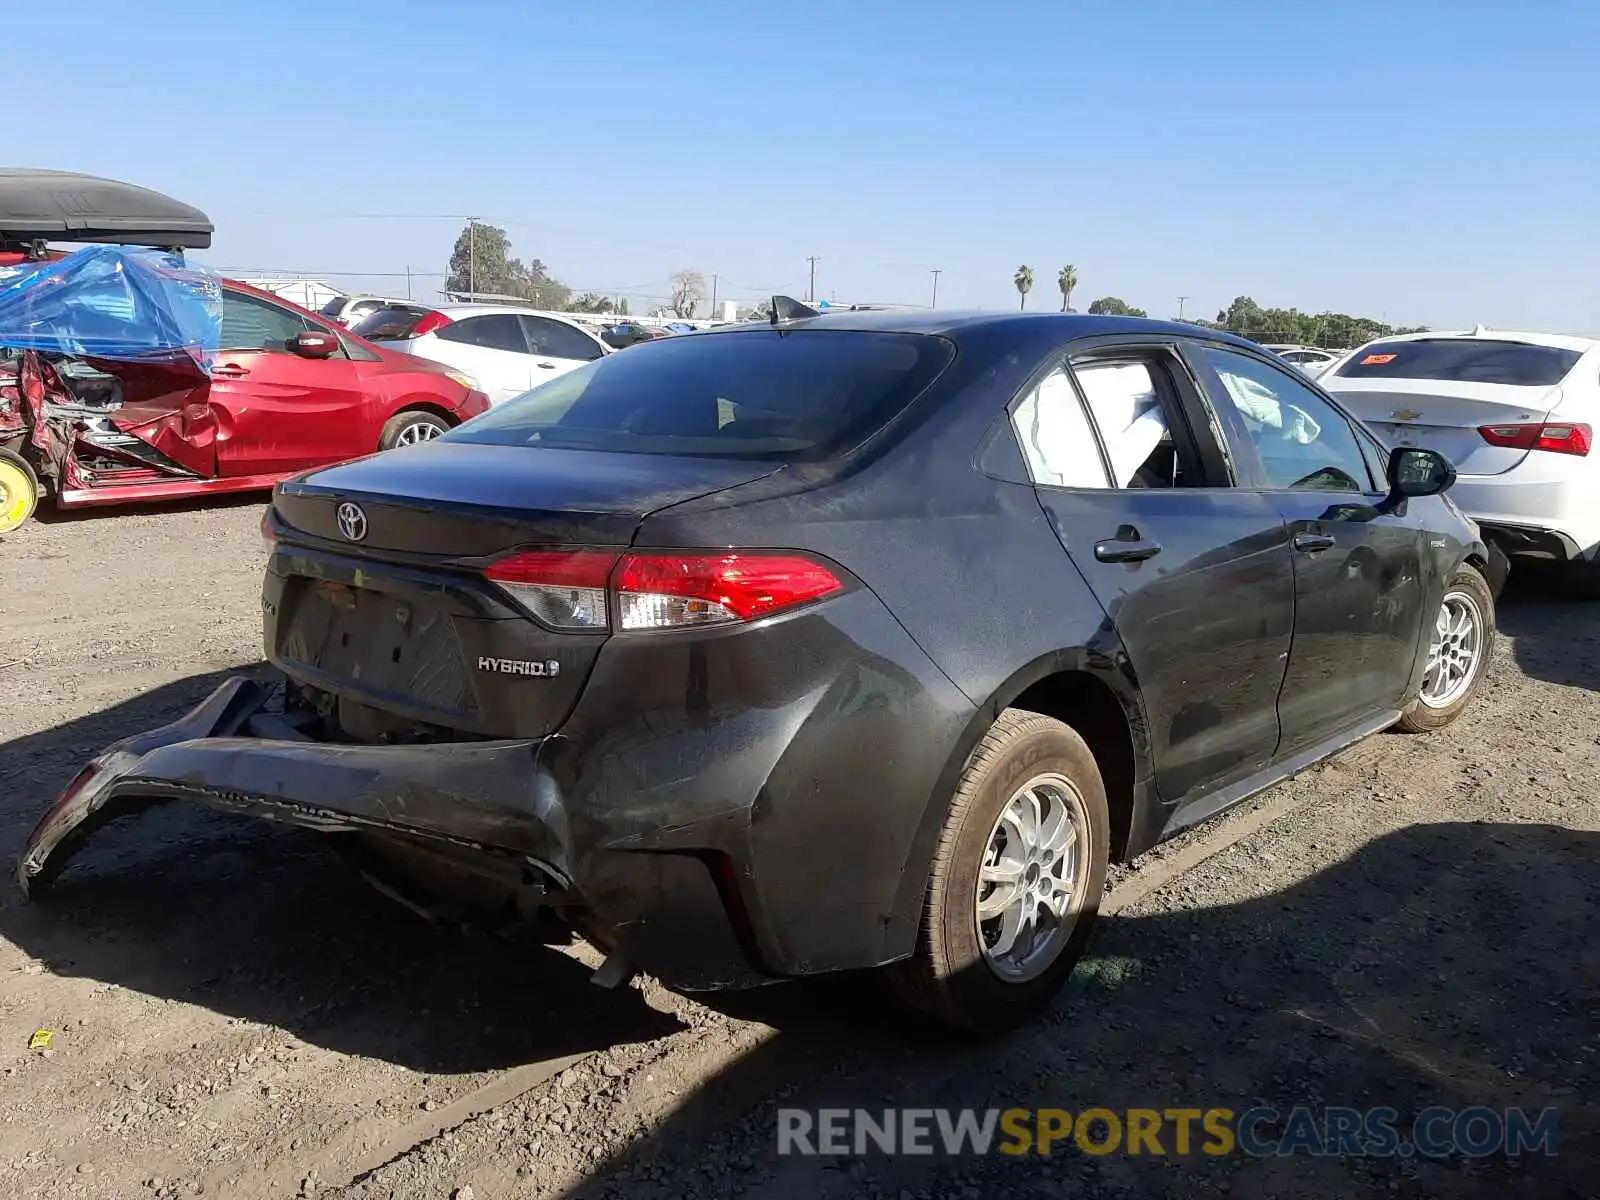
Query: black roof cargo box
{"type": "Point", "coordinates": [62, 206]}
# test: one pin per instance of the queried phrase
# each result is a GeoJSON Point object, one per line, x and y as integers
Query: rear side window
{"type": "Point", "coordinates": [498, 331]}
{"type": "Point", "coordinates": [1055, 436]}
{"type": "Point", "coordinates": [556, 340]}
{"type": "Point", "coordinates": [334, 307]}
{"type": "Point", "coordinates": [795, 396]}
{"type": "Point", "coordinates": [1462, 360]}
{"type": "Point", "coordinates": [390, 323]}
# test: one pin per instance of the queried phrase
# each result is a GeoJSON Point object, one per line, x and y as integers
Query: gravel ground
{"type": "Point", "coordinates": [235, 1015]}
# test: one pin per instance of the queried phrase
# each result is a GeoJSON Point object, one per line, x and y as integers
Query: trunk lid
{"type": "Point", "coordinates": [392, 614]}
{"type": "Point", "coordinates": [1445, 415]}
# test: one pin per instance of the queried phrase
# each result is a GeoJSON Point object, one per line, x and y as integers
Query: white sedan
{"type": "Point", "coordinates": [1515, 413]}
{"type": "Point", "coordinates": [506, 350]}
{"type": "Point", "coordinates": [1311, 360]}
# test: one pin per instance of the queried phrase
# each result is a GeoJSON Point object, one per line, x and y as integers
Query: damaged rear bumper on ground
{"type": "Point", "coordinates": [485, 806]}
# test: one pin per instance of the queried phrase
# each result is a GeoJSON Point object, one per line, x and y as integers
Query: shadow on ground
{"type": "Point", "coordinates": [1548, 643]}
{"type": "Point", "coordinates": [1449, 964]}
{"type": "Point", "coordinates": [263, 923]}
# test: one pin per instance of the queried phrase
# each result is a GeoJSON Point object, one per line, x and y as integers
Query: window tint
{"type": "Point", "coordinates": [556, 340]}
{"type": "Point", "coordinates": [1463, 360]}
{"type": "Point", "coordinates": [1127, 410]}
{"type": "Point", "coordinates": [798, 395]}
{"type": "Point", "coordinates": [1303, 442]}
{"type": "Point", "coordinates": [250, 323]}
{"type": "Point", "coordinates": [1056, 438]}
{"type": "Point", "coordinates": [498, 331]}
{"type": "Point", "coordinates": [390, 323]}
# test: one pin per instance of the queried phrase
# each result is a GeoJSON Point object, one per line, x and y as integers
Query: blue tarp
{"type": "Point", "coordinates": [112, 302]}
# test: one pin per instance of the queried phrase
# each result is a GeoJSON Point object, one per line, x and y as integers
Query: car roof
{"type": "Point", "coordinates": [474, 310]}
{"type": "Point", "coordinates": [953, 323]}
{"type": "Point", "coordinates": [1556, 341]}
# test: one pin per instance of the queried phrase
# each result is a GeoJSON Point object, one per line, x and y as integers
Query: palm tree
{"type": "Point", "coordinates": [1024, 281]}
{"type": "Point", "coordinates": [1066, 280]}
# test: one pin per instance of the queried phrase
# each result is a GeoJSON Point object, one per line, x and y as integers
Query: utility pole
{"type": "Point", "coordinates": [408, 281]}
{"type": "Point", "coordinates": [472, 256]}
{"type": "Point", "coordinates": [811, 288]}
{"type": "Point", "coordinates": [1181, 301]}
{"type": "Point", "coordinates": [935, 272]}
{"type": "Point", "coordinates": [713, 297]}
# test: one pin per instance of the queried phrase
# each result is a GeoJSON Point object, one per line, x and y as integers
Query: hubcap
{"type": "Point", "coordinates": [1454, 653]}
{"type": "Point", "coordinates": [418, 431]}
{"type": "Point", "coordinates": [1033, 877]}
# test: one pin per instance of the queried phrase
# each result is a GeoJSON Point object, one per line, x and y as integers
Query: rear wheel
{"type": "Point", "coordinates": [19, 491]}
{"type": "Point", "coordinates": [1016, 879]}
{"type": "Point", "coordinates": [1459, 646]}
{"type": "Point", "coordinates": [411, 429]}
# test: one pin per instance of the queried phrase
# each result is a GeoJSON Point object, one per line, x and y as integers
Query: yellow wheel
{"type": "Point", "coordinates": [19, 491]}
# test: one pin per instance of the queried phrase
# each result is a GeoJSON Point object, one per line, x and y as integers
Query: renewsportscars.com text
{"type": "Point", "coordinates": [1477, 1132]}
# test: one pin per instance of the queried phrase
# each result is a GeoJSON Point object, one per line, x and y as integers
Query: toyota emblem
{"type": "Point", "coordinates": [352, 521]}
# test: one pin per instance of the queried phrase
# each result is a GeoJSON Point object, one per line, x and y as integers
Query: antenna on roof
{"type": "Point", "coordinates": [786, 308]}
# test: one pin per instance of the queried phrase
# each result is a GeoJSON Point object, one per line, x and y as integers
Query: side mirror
{"type": "Point", "coordinates": [315, 343]}
{"type": "Point", "coordinates": [1414, 472]}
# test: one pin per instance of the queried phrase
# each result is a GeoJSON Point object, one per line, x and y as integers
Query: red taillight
{"type": "Point", "coordinates": [430, 322]}
{"type": "Point", "coordinates": [571, 589]}
{"type": "Point", "coordinates": [667, 591]}
{"type": "Point", "coordinates": [1559, 437]}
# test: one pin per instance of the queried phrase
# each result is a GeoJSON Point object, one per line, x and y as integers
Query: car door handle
{"type": "Point", "coordinates": [545, 366]}
{"type": "Point", "coordinates": [1120, 550]}
{"type": "Point", "coordinates": [1311, 543]}
{"type": "Point", "coordinates": [229, 371]}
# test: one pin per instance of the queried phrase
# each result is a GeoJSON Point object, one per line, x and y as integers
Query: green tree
{"type": "Point", "coordinates": [481, 262]}
{"type": "Point", "coordinates": [1066, 280]}
{"type": "Point", "coordinates": [590, 302]}
{"type": "Point", "coordinates": [1024, 281]}
{"type": "Point", "coordinates": [1112, 306]}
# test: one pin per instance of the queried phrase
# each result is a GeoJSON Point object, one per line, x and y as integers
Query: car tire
{"type": "Point", "coordinates": [19, 491]}
{"type": "Point", "coordinates": [411, 428]}
{"type": "Point", "coordinates": [1469, 593]}
{"type": "Point", "coordinates": [952, 976]}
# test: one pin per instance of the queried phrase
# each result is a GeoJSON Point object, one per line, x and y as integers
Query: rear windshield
{"type": "Point", "coordinates": [334, 307]}
{"type": "Point", "coordinates": [389, 323]}
{"type": "Point", "coordinates": [802, 394]}
{"type": "Point", "coordinates": [1463, 360]}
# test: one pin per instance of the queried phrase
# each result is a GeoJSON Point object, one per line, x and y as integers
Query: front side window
{"type": "Point", "coordinates": [250, 323]}
{"type": "Point", "coordinates": [1303, 442]}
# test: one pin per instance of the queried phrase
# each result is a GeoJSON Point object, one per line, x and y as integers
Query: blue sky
{"type": "Point", "coordinates": [1428, 162]}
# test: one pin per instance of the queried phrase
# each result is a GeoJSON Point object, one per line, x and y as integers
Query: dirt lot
{"type": "Point", "coordinates": [235, 1014]}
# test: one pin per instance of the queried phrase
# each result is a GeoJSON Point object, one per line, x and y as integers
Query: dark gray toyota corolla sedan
{"type": "Point", "coordinates": [839, 642]}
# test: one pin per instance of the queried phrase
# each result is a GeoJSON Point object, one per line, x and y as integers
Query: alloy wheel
{"type": "Point", "coordinates": [1454, 652]}
{"type": "Point", "coordinates": [1033, 877]}
{"type": "Point", "coordinates": [418, 432]}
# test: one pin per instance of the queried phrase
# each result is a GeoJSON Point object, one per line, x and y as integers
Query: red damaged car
{"type": "Point", "coordinates": [284, 390]}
